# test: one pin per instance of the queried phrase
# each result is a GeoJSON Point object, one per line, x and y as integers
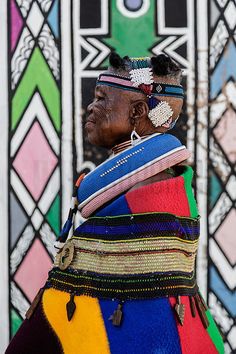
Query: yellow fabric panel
{"type": "Point", "coordinates": [85, 333]}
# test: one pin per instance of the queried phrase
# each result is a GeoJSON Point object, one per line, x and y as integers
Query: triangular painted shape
{"type": "Point", "coordinates": [16, 321]}
{"type": "Point", "coordinates": [36, 105]}
{"type": "Point", "coordinates": [84, 53]}
{"type": "Point", "coordinates": [182, 50]}
{"type": "Point", "coordinates": [215, 188]}
{"type": "Point", "coordinates": [18, 220]}
{"type": "Point", "coordinates": [53, 18]}
{"type": "Point", "coordinates": [225, 69]}
{"type": "Point", "coordinates": [16, 24]}
{"type": "Point", "coordinates": [215, 13]}
{"type": "Point", "coordinates": [225, 295]}
{"type": "Point", "coordinates": [38, 77]}
{"type": "Point", "coordinates": [53, 216]}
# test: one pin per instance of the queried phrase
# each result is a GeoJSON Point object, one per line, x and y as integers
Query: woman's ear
{"type": "Point", "coordinates": [138, 110]}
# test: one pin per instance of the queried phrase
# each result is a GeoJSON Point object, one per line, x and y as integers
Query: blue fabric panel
{"type": "Point", "coordinates": [148, 327]}
{"type": "Point", "coordinates": [118, 207]}
{"type": "Point", "coordinates": [126, 162]}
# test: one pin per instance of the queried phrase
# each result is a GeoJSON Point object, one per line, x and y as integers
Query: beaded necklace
{"type": "Point", "coordinates": [126, 144]}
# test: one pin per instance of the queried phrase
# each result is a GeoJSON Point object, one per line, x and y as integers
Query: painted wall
{"type": "Point", "coordinates": [53, 50]}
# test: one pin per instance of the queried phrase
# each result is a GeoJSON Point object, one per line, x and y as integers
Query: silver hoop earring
{"type": "Point", "coordinates": [135, 138]}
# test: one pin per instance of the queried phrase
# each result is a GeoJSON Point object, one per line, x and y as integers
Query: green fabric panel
{"type": "Point", "coordinates": [53, 216]}
{"type": "Point", "coordinates": [15, 322]}
{"type": "Point", "coordinates": [37, 76]}
{"type": "Point", "coordinates": [132, 36]}
{"type": "Point", "coordinates": [188, 176]}
{"type": "Point", "coordinates": [215, 334]}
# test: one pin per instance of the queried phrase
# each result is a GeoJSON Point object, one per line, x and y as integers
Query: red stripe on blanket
{"type": "Point", "coordinates": [192, 329]}
{"type": "Point", "coordinates": [163, 196]}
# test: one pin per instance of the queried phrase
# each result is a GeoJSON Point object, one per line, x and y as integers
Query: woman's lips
{"type": "Point", "coordinates": [89, 123]}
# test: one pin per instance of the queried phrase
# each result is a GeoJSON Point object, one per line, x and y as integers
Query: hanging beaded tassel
{"type": "Point", "coordinates": [117, 315]}
{"type": "Point", "coordinates": [70, 307]}
{"type": "Point", "coordinates": [180, 310]}
{"type": "Point", "coordinates": [58, 245]}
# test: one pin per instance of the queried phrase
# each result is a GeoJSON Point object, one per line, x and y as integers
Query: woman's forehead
{"type": "Point", "coordinates": [107, 90]}
{"type": "Point", "coordinates": [100, 88]}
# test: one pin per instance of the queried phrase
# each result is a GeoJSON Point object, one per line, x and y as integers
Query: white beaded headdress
{"type": "Point", "coordinates": [160, 112]}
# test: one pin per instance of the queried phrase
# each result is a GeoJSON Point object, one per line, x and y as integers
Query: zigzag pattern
{"type": "Point", "coordinates": [222, 218]}
{"type": "Point", "coordinates": [34, 147]}
{"type": "Point", "coordinates": [35, 95]}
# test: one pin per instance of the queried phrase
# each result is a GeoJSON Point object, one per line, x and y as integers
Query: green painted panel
{"type": "Point", "coordinates": [15, 322]}
{"type": "Point", "coordinates": [132, 36]}
{"type": "Point", "coordinates": [53, 216]}
{"type": "Point", "coordinates": [37, 76]}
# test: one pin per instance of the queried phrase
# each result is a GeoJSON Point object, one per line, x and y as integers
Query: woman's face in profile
{"type": "Point", "coordinates": [108, 122]}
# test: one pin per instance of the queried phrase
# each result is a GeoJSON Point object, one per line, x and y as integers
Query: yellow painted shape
{"type": "Point", "coordinates": [85, 333]}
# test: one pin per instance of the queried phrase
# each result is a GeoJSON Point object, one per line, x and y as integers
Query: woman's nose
{"type": "Point", "coordinates": [90, 107]}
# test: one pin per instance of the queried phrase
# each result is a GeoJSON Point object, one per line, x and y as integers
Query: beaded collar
{"type": "Point", "coordinates": [122, 171]}
{"type": "Point", "coordinates": [123, 146]}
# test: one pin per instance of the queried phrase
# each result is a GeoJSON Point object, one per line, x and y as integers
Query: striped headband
{"type": "Point", "coordinates": [125, 83]}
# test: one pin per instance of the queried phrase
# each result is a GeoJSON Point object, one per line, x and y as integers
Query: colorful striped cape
{"type": "Point", "coordinates": [148, 325]}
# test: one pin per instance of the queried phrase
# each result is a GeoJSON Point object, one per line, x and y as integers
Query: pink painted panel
{"type": "Point", "coordinates": [32, 273]}
{"type": "Point", "coordinates": [16, 24]}
{"type": "Point", "coordinates": [35, 161]}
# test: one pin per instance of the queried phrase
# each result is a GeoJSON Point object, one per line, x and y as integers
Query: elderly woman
{"type": "Point", "coordinates": [125, 282]}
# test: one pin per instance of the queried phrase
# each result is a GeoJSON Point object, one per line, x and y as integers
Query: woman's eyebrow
{"type": "Point", "coordinates": [100, 89]}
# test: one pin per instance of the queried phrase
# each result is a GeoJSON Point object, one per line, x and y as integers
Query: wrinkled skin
{"type": "Point", "coordinates": [114, 113]}
{"type": "Point", "coordinates": [108, 120]}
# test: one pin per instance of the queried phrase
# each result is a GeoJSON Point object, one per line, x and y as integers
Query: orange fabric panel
{"type": "Point", "coordinates": [85, 333]}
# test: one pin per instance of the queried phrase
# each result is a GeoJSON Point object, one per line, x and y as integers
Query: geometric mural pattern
{"type": "Point", "coordinates": [222, 169]}
{"type": "Point", "coordinates": [35, 134]}
{"type": "Point", "coordinates": [101, 28]}
{"type": "Point", "coordinates": [56, 50]}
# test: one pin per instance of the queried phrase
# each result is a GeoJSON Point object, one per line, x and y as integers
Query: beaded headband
{"type": "Point", "coordinates": [141, 80]}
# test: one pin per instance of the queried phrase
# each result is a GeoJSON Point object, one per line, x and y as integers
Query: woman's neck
{"type": "Point", "coordinates": [125, 145]}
